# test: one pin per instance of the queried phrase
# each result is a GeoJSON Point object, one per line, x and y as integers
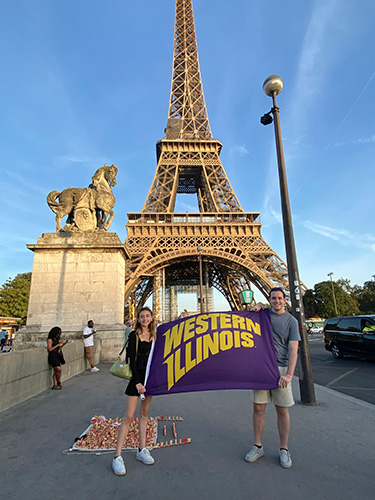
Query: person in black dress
{"type": "Point", "coordinates": [138, 350]}
{"type": "Point", "coordinates": [55, 355]}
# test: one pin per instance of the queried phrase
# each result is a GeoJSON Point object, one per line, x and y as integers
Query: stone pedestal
{"type": "Point", "coordinates": [77, 277]}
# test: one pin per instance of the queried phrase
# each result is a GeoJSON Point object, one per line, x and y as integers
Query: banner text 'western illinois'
{"type": "Point", "coordinates": [197, 338]}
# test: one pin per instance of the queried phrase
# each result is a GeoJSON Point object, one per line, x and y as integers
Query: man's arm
{"type": "Point", "coordinates": [87, 335]}
{"type": "Point", "coordinates": [293, 356]}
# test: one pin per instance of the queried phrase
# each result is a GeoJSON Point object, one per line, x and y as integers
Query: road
{"type": "Point", "coordinates": [328, 464]}
{"type": "Point", "coordinates": [351, 375]}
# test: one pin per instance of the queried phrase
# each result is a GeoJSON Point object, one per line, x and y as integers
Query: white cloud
{"type": "Point", "coordinates": [238, 151]}
{"type": "Point", "coordinates": [343, 236]}
{"type": "Point", "coordinates": [276, 215]}
{"type": "Point", "coordinates": [21, 181]}
{"type": "Point", "coordinates": [80, 159]}
{"type": "Point", "coordinates": [314, 51]}
{"type": "Point", "coordinates": [270, 216]}
{"type": "Point", "coordinates": [362, 140]}
{"type": "Point", "coordinates": [365, 140]}
{"type": "Point", "coordinates": [317, 56]}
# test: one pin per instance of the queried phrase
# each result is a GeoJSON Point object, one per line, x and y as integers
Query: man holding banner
{"type": "Point", "coordinates": [286, 337]}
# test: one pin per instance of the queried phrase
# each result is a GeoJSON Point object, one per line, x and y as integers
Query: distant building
{"type": "Point", "coordinates": [11, 325]}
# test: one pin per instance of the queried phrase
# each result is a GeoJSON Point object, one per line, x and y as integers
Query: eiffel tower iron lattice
{"type": "Point", "coordinates": [166, 246]}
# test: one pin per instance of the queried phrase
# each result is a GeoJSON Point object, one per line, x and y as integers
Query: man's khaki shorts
{"type": "Point", "coordinates": [89, 351]}
{"type": "Point", "coordinates": [279, 397]}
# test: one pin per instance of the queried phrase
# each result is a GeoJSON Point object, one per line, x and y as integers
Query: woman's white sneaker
{"type": "Point", "coordinates": [144, 456]}
{"type": "Point", "coordinates": [118, 466]}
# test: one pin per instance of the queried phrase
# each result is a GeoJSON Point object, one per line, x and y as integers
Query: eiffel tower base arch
{"type": "Point", "coordinates": [234, 255]}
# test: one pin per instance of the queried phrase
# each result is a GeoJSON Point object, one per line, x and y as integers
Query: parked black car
{"type": "Point", "coordinates": [345, 335]}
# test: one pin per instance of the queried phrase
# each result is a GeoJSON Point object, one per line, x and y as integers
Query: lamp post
{"type": "Point", "coordinates": [272, 86]}
{"type": "Point", "coordinates": [201, 299]}
{"type": "Point", "coordinates": [333, 293]}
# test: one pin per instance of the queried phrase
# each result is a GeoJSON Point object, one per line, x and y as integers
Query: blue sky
{"type": "Point", "coordinates": [87, 82]}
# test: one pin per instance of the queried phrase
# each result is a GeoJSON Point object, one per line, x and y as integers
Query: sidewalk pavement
{"type": "Point", "coordinates": [332, 446]}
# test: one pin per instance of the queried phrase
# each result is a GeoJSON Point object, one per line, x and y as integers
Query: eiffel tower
{"type": "Point", "coordinates": [221, 246]}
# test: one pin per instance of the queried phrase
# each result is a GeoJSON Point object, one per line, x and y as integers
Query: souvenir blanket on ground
{"type": "Point", "coordinates": [101, 435]}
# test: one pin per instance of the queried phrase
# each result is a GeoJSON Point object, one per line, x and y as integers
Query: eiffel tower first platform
{"type": "Point", "coordinates": [219, 247]}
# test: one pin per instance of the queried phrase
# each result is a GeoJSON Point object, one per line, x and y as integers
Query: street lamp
{"type": "Point", "coordinates": [333, 293]}
{"type": "Point", "coordinates": [272, 86]}
{"type": "Point", "coordinates": [201, 299]}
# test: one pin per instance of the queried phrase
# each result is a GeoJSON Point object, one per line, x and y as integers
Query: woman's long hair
{"type": "Point", "coordinates": [151, 326]}
{"type": "Point", "coordinates": [54, 333]}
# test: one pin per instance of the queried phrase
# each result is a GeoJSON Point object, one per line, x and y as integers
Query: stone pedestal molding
{"type": "Point", "coordinates": [77, 277]}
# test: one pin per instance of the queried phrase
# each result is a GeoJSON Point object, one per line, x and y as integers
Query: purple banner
{"type": "Point", "coordinates": [221, 350]}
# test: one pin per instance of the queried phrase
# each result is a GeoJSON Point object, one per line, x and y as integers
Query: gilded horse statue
{"type": "Point", "coordinates": [86, 208]}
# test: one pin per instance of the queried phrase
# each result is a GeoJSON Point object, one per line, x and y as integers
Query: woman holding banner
{"type": "Point", "coordinates": [138, 351]}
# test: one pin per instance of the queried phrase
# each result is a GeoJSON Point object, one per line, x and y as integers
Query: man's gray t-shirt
{"type": "Point", "coordinates": [284, 329]}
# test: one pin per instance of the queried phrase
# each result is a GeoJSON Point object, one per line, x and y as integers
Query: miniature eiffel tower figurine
{"type": "Point", "coordinates": [221, 246]}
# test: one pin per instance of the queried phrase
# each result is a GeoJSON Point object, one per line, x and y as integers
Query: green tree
{"type": "Point", "coordinates": [366, 297]}
{"type": "Point", "coordinates": [319, 301]}
{"type": "Point", "coordinates": [310, 305]}
{"type": "Point", "coordinates": [14, 296]}
{"type": "Point", "coordinates": [345, 285]}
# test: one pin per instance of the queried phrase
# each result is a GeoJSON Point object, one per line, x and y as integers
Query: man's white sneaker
{"type": "Point", "coordinates": [144, 456]}
{"type": "Point", "coordinates": [285, 459]}
{"type": "Point", "coordinates": [254, 454]}
{"type": "Point", "coordinates": [95, 369]}
{"type": "Point", "coordinates": [118, 466]}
